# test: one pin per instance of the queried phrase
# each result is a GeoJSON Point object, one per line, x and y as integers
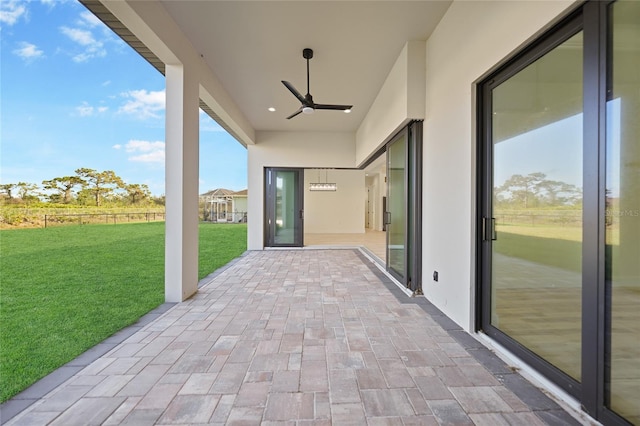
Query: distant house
{"type": "Point", "coordinates": [224, 205]}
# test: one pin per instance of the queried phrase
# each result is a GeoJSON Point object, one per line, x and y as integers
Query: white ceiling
{"type": "Point", "coordinates": [252, 45]}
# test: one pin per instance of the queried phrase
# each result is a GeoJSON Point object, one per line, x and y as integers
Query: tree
{"type": "Point", "coordinates": [557, 193]}
{"type": "Point", "coordinates": [137, 192]}
{"type": "Point", "coordinates": [100, 184]}
{"type": "Point", "coordinates": [159, 200]}
{"type": "Point", "coordinates": [24, 190]}
{"type": "Point", "coordinates": [534, 190]}
{"type": "Point", "coordinates": [523, 189]}
{"type": "Point", "coordinates": [64, 187]}
{"type": "Point", "coordinates": [8, 188]}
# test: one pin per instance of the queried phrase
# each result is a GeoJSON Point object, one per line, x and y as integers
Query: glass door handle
{"type": "Point", "coordinates": [489, 229]}
{"type": "Point", "coordinates": [387, 218]}
{"type": "Point", "coordinates": [301, 214]}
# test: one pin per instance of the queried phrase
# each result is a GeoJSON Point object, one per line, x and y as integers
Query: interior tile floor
{"type": "Point", "coordinates": [290, 337]}
{"type": "Point", "coordinates": [374, 241]}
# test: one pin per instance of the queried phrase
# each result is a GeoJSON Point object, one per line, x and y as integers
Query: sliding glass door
{"type": "Point", "coordinates": [534, 229]}
{"type": "Point", "coordinates": [396, 214]}
{"type": "Point", "coordinates": [284, 207]}
{"type": "Point", "coordinates": [559, 207]}
{"type": "Point", "coordinates": [403, 207]}
{"type": "Point", "coordinates": [622, 217]}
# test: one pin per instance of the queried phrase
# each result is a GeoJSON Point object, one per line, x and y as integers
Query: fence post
{"type": "Point", "coordinates": [45, 220]}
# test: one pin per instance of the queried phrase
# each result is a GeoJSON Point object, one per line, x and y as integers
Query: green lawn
{"type": "Point", "coordinates": [65, 289]}
{"type": "Point", "coordinates": [558, 252]}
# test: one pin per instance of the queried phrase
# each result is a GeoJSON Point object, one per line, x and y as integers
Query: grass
{"type": "Point", "coordinates": [570, 233]}
{"type": "Point", "coordinates": [551, 245]}
{"type": "Point", "coordinates": [561, 253]}
{"type": "Point", "coordinates": [63, 290]}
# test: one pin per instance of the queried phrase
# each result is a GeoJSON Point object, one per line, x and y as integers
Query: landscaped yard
{"type": "Point", "coordinates": [65, 289]}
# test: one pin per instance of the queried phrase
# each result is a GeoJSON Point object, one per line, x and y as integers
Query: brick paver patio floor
{"type": "Point", "coordinates": [297, 337]}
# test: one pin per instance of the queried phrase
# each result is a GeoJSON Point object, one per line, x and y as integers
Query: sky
{"type": "Point", "coordinates": [74, 95]}
{"type": "Point", "coordinates": [554, 149]}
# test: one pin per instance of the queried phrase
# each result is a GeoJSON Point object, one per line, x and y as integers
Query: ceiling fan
{"type": "Point", "coordinates": [308, 106]}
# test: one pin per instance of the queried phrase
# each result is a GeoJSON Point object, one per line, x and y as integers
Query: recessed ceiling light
{"type": "Point", "coordinates": [347, 111]}
{"type": "Point", "coordinates": [272, 109]}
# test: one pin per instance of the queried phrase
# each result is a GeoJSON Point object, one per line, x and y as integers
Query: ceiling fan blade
{"type": "Point", "coordinates": [295, 113]}
{"type": "Point", "coordinates": [295, 92]}
{"type": "Point", "coordinates": [334, 107]}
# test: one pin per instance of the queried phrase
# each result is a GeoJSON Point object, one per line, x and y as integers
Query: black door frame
{"type": "Point", "coordinates": [413, 153]}
{"type": "Point", "coordinates": [270, 207]}
{"type": "Point", "coordinates": [404, 136]}
{"type": "Point", "coordinates": [485, 221]}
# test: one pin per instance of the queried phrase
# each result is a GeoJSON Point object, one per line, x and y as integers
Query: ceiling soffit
{"type": "Point", "coordinates": [252, 45]}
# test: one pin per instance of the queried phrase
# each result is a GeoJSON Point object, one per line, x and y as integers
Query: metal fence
{"type": "Point", "coordinates": [533, 218]}
{"type": "Point", "coordinates": [92, 218]}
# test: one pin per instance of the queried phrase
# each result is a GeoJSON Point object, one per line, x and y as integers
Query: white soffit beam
{"type": "Point", "coordinates": [152, 25]}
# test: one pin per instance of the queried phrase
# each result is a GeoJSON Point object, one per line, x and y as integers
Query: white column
{"type": "Point", "coordinates": [181, 164]}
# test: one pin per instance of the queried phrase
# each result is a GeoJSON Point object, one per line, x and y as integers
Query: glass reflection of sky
{"type": "Point", "coordinates": [556, 151]}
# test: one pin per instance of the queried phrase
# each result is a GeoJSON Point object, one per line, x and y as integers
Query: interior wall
{"type": "Point", "coordinates": [471, 39]}
{"type": "Point", "coordinates": [378, 191]}
{"type": "Point", "coordinates": [290, 149]}
{"type": "Point", "coordinates": [375, 201]}
{"type": "Point", "coordinates": [335, 212]}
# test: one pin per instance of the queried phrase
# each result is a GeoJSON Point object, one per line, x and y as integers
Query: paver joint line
{"type": "Point", "coordinates": [299, 337]}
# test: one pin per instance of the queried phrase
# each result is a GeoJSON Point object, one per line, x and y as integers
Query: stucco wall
{"type": "Point", "coordinates": [399, 101]}
{"type": "Point", "coordinates": [240, 204]}
{"type": "Point", "coordinates": [291, 149]}
{"type": "Point", "coordinates": [469, 41]}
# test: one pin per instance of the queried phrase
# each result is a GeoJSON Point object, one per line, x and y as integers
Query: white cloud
{"type": "Point", "coordinates": [92, 48]}
{"type": "Point", "coordinates": [82, 37]}
{"type": "Point", "coordinates": [86, 110]}
{"type": "Point", "coordinates": [11, 11]}
{"type": "Point", "coordinates": [89, 19]}
{"type": "Point", "coordinates": [143, 104]}
{"type": "Point", "coordinates": [106, 83]}
{"type": "Point", "coordinates": [28, 51]}
{"type": "Point", "coordinates": [52, 3]}
{"type": "Point", "coordinates": [147, 151]}
{"type": "Point", "coordinates": [152, 157]}
{"type": "Point", "coordinates": [117, 146]}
